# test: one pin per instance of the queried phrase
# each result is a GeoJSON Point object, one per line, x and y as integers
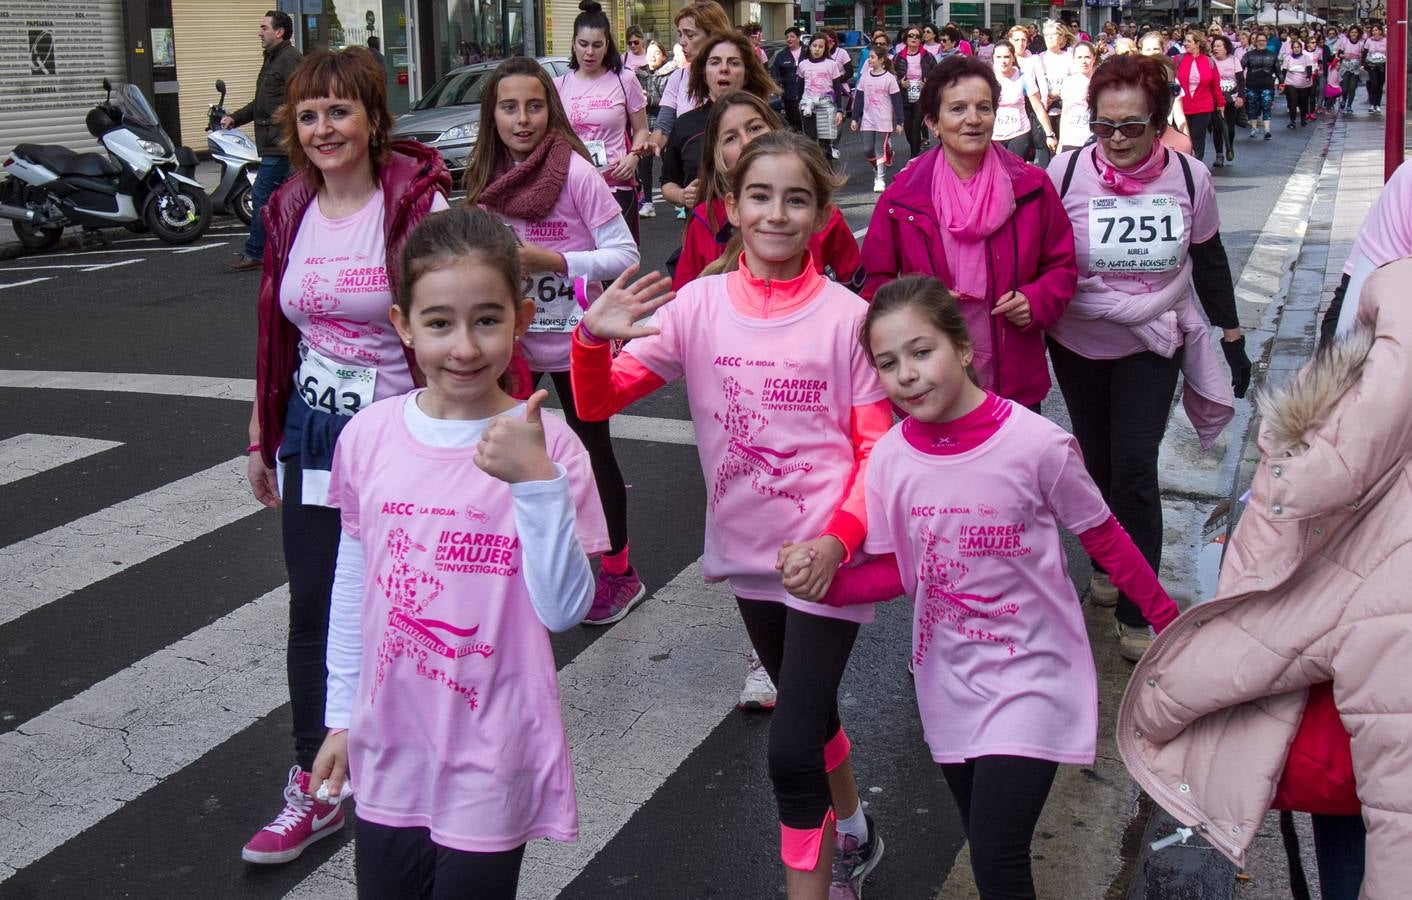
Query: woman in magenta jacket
{"type": "Point", "coordinates": [1200, 82]}
{"type": "Point", "coordinates": [985, 223]}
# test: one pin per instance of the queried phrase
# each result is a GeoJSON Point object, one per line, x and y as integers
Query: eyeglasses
{"type": "Point", "coordinates": [634, 42]}
{"type": "Point", "coordinates": [913, 36]}
{"type": "Point", "coordinates": [1132, 128]}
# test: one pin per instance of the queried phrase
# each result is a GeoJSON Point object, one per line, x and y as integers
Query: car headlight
{"type": "Point", "coordinates": [466, 132]}
{"type": "Point", "coordinates": [152, 147]}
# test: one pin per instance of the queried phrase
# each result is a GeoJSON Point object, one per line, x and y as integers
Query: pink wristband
{"type": "Point", "coordinates": [251, 449]}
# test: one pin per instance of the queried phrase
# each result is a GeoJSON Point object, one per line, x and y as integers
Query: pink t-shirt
{"type": "Point", "coordinates": [456, 723]}
{"type": "Point", "coordinates": [1140, 241]}
{"type": "Point", "coordinates": [675, 94]}
{"type": "Point", "coordinates": [598, 109]}
{"type": "Point", "coordinates": [1011, 115]}
{"type": "Point", "coordinates": [914, 66]}
{"type": "Point", "coordinates": [336, 293]}
{"type": "Point", "coordinates": [999, 646]}
{"type": "Point", "coordinates": [1226, 71]}
{"type": "Point", "coordinates": [1057, 67]}
{"type": "Point", "coordinates": [1074, 117]}
{"type": "Point", "coordinates": [771, 403]}
{"type": "Point", "coordinates": [818, 77]}
{"type": "Point", "coordinates": [1297, 70]}
{"type": "Point", "coordinates": [1386, 234]}
{"type": "Point", "coordinates": [634, 61]}
{"type": "Point", "coordinates": [585, 204]}
{"type": "Point", "coordinates": [877, 91]}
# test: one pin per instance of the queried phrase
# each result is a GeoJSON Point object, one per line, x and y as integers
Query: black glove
{"type": "Point", "coordinates": [1239, 363]}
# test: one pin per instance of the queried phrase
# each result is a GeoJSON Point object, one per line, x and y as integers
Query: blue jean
{"type": "Point", "coordinates": [1338, 848]}
{"type": "Point", "coordinates": [272, 173]}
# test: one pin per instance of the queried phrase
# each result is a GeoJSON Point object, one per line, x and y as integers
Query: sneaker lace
{"type": "Point", "coordinates": [297, 805]}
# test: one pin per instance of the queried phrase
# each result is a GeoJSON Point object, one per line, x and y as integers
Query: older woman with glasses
{"type": "Point", "coordinates": [912, 65]}
{"type": "Point", "coordinates": [1148, 243]}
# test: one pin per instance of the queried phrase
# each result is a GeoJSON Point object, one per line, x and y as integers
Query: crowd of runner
{"type": "Point", "coordinates": [869, 416]}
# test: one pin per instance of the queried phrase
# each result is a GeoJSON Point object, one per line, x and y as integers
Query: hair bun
{"type": "Point", "coordinates": [591, 6]}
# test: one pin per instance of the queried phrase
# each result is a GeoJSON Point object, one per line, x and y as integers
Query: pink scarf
{"type": "Point", "coordinates": [1134, 182]}
{"type": "Point", "coordinates": [969, 212]}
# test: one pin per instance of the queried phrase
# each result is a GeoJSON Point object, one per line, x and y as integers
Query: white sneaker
{"type": "Point", "coordinates": [1101, 590]}
{"type": "Point", "coordinates": [759, 691]}
{"type": "Point", "coordinates": [833, 151]}
{"type": "Point", "coordinates": [1133, 641]}
{"type": "Point", "coordinates": [1254, 132]}
{"type": "Point", "coordinates": [879, 185]}
{"type": "Point", "coordinates": [646, 210]}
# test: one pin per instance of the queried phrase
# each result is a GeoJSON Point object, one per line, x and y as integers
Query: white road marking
{"type": "Point", "coordinates": [860, 232]}
{"type": "Point", "coordinates": [66, 769]}
{"type": "Point", "coordinates": [79, 266]}
{"type": "Point", "coordinates": [72, 556]}
{"type": "Point", "coordinates": [112, 265]}
{"type": "Point", "coordinates": [202, 247]}
{"type": "Point", "coordinates": [636, 703]}
{"type": "Point", "coordinates": [29, 454]}
{"type": "Point", "coordinates": [23, 283]}
{"type": "Point", "coordinates": [153, 249]}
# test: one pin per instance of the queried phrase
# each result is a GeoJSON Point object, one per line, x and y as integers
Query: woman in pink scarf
{"type": "Point", "coordinates": [985, 223]}
{"type": "Point", "coordinates": [1148, 249]}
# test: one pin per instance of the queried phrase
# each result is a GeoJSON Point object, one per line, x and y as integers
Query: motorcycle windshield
{"type": "Point", "coordinates": [135, 107]}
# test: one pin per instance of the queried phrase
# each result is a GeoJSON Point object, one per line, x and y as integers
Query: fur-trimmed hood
{"type": "Point", "coordinates": [1295, 410]}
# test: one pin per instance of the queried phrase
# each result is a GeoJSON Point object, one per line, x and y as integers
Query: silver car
{"type": "Point", "coordinates": [447, 116]}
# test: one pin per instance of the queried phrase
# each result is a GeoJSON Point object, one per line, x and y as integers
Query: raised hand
{"type": "Point", "coordinates": [614, 315]}
{"type": "Point", "coordinates": [513, 449]}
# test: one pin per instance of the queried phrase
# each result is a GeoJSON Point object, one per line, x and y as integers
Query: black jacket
{"type": "Point", "coordinates": [280, 62]}
{"type": "Point", "coordinates": [782, 69]}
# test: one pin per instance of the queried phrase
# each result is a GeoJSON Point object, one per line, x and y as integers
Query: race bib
{"type": "Point", "coordinates": [1135, 234]}
{"type": "Point", "coordinates": [914, 91]}
{"type": "Point", "coordinates": [556, 309]}
{"type": "Point", "coordinates": [1228, 85]}
{"type": "Point", "coordinates": [598, 153]}
{"type": "Point", "coordinates": [333, 387]}
{"type": "Point", "coordinates": [1008, 121]}
{"type": "Point", "coordinates": [1377, 59]}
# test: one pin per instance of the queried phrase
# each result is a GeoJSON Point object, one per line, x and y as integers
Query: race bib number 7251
{"type": "Point", "coordinates": [1145, 233]}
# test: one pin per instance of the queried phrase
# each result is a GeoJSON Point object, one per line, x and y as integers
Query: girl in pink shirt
{"type": "Point", "coordinates": [786, 410]}
{"type": "Point", "coordinates": [965, 501]}
{"type": "Point", "coordinates": [534, 172]}
{"type": "Point", "coordinates": [466, 519]}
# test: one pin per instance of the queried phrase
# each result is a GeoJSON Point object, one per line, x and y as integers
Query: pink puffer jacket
{"type": "Point", "coordinates": [1315, 587]}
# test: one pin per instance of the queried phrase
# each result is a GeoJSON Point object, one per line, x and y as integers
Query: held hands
{"type": "Point", "coordinates": [1014, 306]}
{"type": "Point", "coordinates": [1238, 361]}
{"type": "Point", "coordinates": [263, 482]}
{"type": "Point", "coordinates": [807, 569]}
{"type": "Point", "coordinates": [614, 315]}
{"type": "Point", "coordinates": [513, 449]}
{"type": "Point", "coordinates": [331, 765]}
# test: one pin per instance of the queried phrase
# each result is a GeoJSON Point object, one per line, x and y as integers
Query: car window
{"type": "Point", "coordinates": [455, 89]}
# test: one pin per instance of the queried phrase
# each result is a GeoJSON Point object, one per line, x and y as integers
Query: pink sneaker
{"type": "Point", "coordinates": [615, 597]}
{"type": "Point", "coordinates": [303, 821]}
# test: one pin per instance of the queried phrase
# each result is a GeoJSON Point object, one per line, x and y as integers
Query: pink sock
{"type": "Point", "coordinates": [616, 563]}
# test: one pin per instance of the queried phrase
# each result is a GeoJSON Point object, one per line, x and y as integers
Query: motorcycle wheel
{"type": "Point", "coordinates": [35, 237]}
{"type": "Point", "coordinates": [180, 217]}
{"type": "Point", "coordinates": [243, 203]}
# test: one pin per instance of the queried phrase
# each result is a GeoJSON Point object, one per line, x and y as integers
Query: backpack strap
{"type": "Point", "coordinates": [1186, 173]}
{"type": "Point", "coordinates": [1069, 173]}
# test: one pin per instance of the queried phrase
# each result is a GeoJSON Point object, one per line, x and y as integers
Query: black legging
{"type": "Point", "coordinates": [1019, 145]}
{"type": "Point", "coordinates": [1300, 103]}
{"type": "Point", "coordinates": [393, 863]}
{"type": "Point", "coordinates": [1229, 118]}
{"type": "Point", "coordinates": [597, 440]}
{"type": "Point", "coordinates": [1000, 799]}
{"type": "Point", "coordinates": [627, 202]}
{"type": "Point", "coordinates": [912, 126]}
{"type": "Point", "coordinates": [1377, 77]}
{"type": "Point", "coordinates": [311, 536]}
{"type": "Point", "coordinates": [1349, 83]}
{"type": "Point", "coordinates": [805, 655]}
{"type": "Point", "coordinates": [1119, 410]}
{"type": "Point", "coordinates": [1198, 124]}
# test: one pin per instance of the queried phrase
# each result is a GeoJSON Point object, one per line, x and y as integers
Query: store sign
{"type": "Point", "coordinates": [51, 52]}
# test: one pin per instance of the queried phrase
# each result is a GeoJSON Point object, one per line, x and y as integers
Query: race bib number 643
{"type": "Point", "coordinates": [1145, 233]}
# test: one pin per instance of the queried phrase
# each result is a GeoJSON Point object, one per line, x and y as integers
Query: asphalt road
{"type": "Point", "coordinates": [138, 579]}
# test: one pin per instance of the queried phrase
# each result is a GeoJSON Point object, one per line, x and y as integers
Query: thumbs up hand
{"type": "Point", "coordinates": [513, 449]}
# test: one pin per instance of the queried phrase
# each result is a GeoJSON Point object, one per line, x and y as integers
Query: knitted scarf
{"type": "Point", "coordinates": [528, 190]}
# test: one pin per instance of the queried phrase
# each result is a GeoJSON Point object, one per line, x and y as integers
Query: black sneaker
{"type": "Point", "coordinates": [853, 861]}
{"type": "Point", "coordinates": [1268, 135]}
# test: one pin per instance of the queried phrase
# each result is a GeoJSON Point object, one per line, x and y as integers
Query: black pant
{"type": "Point", "coordinates": [1020, 146]}
{"type": "Point", "coordinates": [792, 116]}
{"type": "Point", "coordinates": [1300, 103]}
{"type": "Point", "coordinates": [1042, 156]}
{"type": "Point", "coordinates": [396, 863]}
{"type": "Point", "coordinates": [627, 202]}
{"type": "Point", "coordinates": [1377, 77]}
{"type": "Point", "coordinates": [310, 551]}
{"type": "Point", "coordinates": [1230, 120]}
{"type": "Point", "coordinates": [1000, 799]}
{"type": "Point", "coordinates": [912, 126]}
{"type": "Point", "coordinates": [597, 440]}
{"type": "Point", "coordinates": [644, 176]}
{"type": "Point", "coordinates": [1119, 410]}
{"type": "Point", "coordinates": [1198, 124]}
{"type": "Point", "coordinates": [1339, 847]}
{"type": "Point", "coordinates": [805, 656]}
{"type": "Point", "coordinates": [1349, 83]}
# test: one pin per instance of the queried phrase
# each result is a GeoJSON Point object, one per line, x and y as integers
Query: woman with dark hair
{"type": "Point", "coordinates": [1375, 60]}
{"type": "Point", "coordinates": [1349, 51]}
{"type": "Point", "coordinates": [985, 223]}
{"type": "Point", "coordinates": [1133, 325]}
{"type": "Point", "coordinates": [1301, 71]}
{"type": "Point", "coordinates": [1262, 72]}
{"type": "Point", "coordinates": [1232, 81]}
{"type": "Point", "coordinates": [912, 65]}
{"type": "Point", "coordinates": [326, 350]}
{"type": "Point", "coordinates": [606, 107]}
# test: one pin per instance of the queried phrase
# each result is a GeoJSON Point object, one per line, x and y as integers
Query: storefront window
{"type": "Point", "coordinates": [472, 31]}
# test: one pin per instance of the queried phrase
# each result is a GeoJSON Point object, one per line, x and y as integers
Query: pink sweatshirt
{"type": "Point", "coordinates": [786, 409]}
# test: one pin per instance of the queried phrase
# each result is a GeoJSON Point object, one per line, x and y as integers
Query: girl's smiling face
{"type": "Point", "coordinates": [462, 324]}
{"type": "Point", "coordinates": [922, 370]}
{"type": "Point", "coordinates": [521, 114]}
{"type": "Point", "coordinates": [777, 212]}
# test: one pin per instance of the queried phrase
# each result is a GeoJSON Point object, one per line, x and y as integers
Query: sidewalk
{"type": "Point", "coordinates": [1092, 841]}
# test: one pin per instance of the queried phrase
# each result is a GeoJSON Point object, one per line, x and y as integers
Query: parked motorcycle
{"type": "Point", "coordinates": [50, 187]}
{"type": "Point", "coordinates": [239, 159]}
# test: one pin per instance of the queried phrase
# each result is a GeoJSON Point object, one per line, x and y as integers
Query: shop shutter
{"type": "Point", "coordinates": [53, 59]}
{"type": "Point", "coordinates": [559, 24]}
{"type": "Point", "coordinates": [215, 40]}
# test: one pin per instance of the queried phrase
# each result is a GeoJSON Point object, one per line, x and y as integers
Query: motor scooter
{"type": "Point", "coordinates": [50, 187]}
{"type": "Point", "coordinates": [239, 159]}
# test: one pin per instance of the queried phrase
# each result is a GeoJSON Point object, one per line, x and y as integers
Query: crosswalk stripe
{"type": "Point", "coordinates": [636, 703]}
{"type": "Point", "coordinates": [48, 566]}
{"type": "Point", "coordinates": [66, 769]}
{"type": "Point", "coordinates": [29, 454]}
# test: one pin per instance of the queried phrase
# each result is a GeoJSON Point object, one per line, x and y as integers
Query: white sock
{"type": "Point", "coordinates": [856, 825]}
